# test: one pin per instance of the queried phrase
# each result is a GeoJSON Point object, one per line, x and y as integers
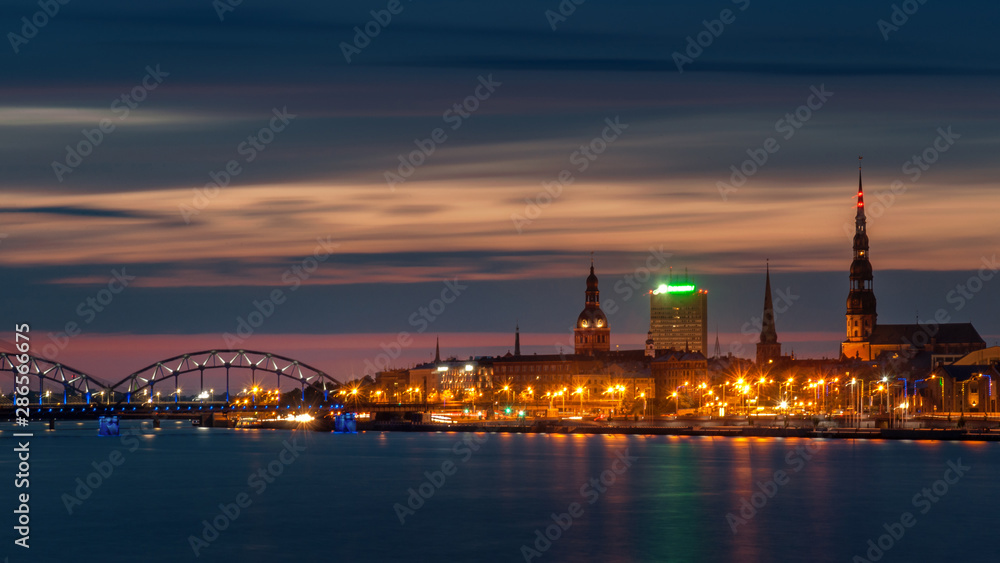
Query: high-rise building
{"type": "Point", "coordinates": [591, 333]}
{"type": "Point", "coordinates": [678, 317]}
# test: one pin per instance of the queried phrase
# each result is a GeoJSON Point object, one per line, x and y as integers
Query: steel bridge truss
{"type": "Point", "coordinates": [141, 384]}
{"type": "Point", "coordinates": [73, 382]}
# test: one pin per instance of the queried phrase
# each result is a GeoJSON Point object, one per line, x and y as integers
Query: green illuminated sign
{"type": "Point", "coordinates": [664, 288]}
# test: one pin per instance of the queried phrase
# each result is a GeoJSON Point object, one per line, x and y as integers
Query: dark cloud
{"type": "Point", "coordinates": [76, 212]}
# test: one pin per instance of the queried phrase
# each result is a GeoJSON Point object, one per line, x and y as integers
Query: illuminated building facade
{"type": "Point", "coordinates": [672, 370]}
{"type": "Point", "coordinates": [678, 317]}
{"type": "Point", "coordinates": [545, 373]}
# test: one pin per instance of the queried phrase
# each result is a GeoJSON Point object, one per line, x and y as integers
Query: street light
{"type": "Point", "coordinates": [579, 391]}
{"type": "Point", "coordinates": [677, 406]}
{"type": "Point", "coordinates": [702, 398]}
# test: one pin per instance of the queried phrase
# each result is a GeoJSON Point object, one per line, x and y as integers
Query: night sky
{"type": "Point", "coordinates": [566, 141]}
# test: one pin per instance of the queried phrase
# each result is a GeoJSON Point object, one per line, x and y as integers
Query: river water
{"type": "Point", "coordinates": [415, 497]}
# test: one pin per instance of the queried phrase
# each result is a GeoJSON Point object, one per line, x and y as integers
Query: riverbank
{"type": "Point", "coordinates": [548, 427]}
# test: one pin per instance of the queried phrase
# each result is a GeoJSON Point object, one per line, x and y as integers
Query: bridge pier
{"type": "Point", "coordinates": [52, 424]}
{"type": "Point", "coordinates": [156, 422]}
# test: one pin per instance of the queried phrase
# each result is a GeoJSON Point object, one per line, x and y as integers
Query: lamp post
{"type": "Point", "coordinates": [854, 411]}
{"type": "Point", "coordinates": [822, 385]}
{"type": "Point", "coordinates": [702, 398]}
{"type": "Point", "coordinates": [915, 393]}
{"type": "Point", "coordinates": [906, 401]}
{"type": "Point", "coordinates": [989, 393]}
{"type": "Point", "coordinates": [677, 401]}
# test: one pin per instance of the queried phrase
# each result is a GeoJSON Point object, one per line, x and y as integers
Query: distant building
{"type": "Point", "coordinates": [673, 369]}
{"type": "Point", "coordinates": [768, 349]}
{"type": "Point", "coordinates": [591, 334]}
{"type": "Point", "coordinates": [448, 379]}
{"type": "Point", "coordinates": [545, 373]}
{"type": "Point", "coordinates": [867, 340]}
{"type": "Point", "coordinates": [678, 317]}
{"type": "Point", "coordinates": [968, 384]}
{"type": "Point", "coordinates": [958, 389]}
{"type": "Point", "coordinates": [635, 377]}
{"type": "Point", "coordinates": [396, 385]}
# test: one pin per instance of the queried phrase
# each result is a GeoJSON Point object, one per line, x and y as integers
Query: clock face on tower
{"type": "Point", "coordinates": [583, 324]}
{"type": "Point", "coordinates": [600, 323]}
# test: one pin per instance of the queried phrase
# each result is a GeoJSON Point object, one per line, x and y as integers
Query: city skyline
{"type": "Point", "coordinates": [569, 280]}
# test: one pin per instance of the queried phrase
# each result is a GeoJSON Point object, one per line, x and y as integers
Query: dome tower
{"type": "Point", "coordinates": [591, 333]}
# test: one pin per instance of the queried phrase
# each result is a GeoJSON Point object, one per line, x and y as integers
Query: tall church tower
{"type": "Point", "coordinates": [768, 349]}
{"type": "Point", "coordinates": [591, 333]}
{"type": "Point", "coordinates": [861, 313]}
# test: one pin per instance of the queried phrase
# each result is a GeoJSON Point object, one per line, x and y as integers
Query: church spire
{"type": "Point", "coordinates": [517, 340]}
{"type": "Point", "coordinates": [861, 198]}
{"type": "Point", "coordinates": [768, 349]}
{"type": "Point", "coordinates": [437, 350]}
{"type": "Point", "coordinates": [768, 331]}
{"type": "Point", "coordinates": [861, 304]}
